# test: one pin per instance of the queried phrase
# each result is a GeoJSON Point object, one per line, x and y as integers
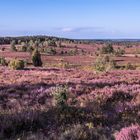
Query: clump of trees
{"type": "Point", "coordinates": [36, 58]}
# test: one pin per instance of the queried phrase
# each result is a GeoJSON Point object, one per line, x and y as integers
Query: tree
{"type": "Point", "coordinates": [36, 58]}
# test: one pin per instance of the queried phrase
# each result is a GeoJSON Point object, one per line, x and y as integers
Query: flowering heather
{"type": "Point", "coordinates": [129, 133]}
{"type": "Point", "coordinates": [109, 100]}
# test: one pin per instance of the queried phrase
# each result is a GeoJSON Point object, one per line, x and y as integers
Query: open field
{"type": "Point", "coordinates": [98, 105]}
{"type": "Point", "coordinates": [131, 55]}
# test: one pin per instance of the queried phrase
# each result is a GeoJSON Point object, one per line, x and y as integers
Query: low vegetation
{"type": "Point", "coordinates": [16, 64]}
{"type": "Point", "coordinates": [66, 89]}
{"type": "Point", "coordinates": [36, 58]}
{"type": "Point", "coordinates": [104, 63]}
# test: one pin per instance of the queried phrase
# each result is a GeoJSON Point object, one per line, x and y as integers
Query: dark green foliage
{"type": "Point", "coordinates": [36, 58]}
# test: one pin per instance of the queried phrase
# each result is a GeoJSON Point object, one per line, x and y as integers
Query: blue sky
{"type": "Point", "coordinates": [71, 18]}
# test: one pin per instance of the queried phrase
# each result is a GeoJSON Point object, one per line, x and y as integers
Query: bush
{"type": "Point", "coordinates": [13, 46]}
{"type": "Point", "coordinates": [24, 47]}
{"type": "Point", "coordinates": [17, 64]}
{"type": "Point", "coordinates": [119, 52]}
{"type": "Point", "coordinates": [52, 43]}
{"type": "Point", "coordinates": [129, 133]}
{"type": "Point", "coordinates": [36, 58]}
{"type": "Point", "coordinates": [104, 63]}
{"type": "Point", "coordinates": [3, 61]}
{"type": "Point", "coordinates": [2, 49]}
{"type": "Point", "coordinates": [107, 49]}
{"type": "Point", "coordinates": [129, 66]}
{"type": "Point", "coordinates": [51, 51]}
{"type": "Point", "coordinates": [61, 96]}
{"type": "Point", "coordinates": [73, 52]}
{"type": "Point", "coordinates": [86, 132]}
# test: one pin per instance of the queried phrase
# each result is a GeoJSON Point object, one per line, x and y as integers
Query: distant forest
{"type": "Point", "coordinates": [8, 40]}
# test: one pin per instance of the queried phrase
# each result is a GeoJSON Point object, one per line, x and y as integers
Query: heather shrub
{"type": "Point", "coordinates": [136, 99]}
{"type": "Point", "coordinates": [17, 64]}
{"type": "Point", "coordinates": [129, 133]}
{"type": "Point", "coordinates": [85, 132]}
{"type": "Point", "coordinates": [36, 58]}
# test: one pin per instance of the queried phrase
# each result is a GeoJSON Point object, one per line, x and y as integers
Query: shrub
{"type": "Point", "coordinates": [24, 47]}
{"type": "Point", "coordinates": [52, 43]}
{"type": "Point", "coordinates": [73, 51]}
{"type": "Point", "coordinates": [83, 132]}
{"type": "Point", "coordinates": [17, 64]}
{"type": "Point", "coordinates": [119, 52]}
{"type": "Point", "coordinates": [3, 48]}
{"type": "Point", "coordinates": [107, 49]}
{"type": "Point", "coordinates": [3, 61]}
{"type": "Point", "coordinates": [129, 133]}
{"type": "Point", "coordinates": [104, 63]}
{"type": "Point", "coordinates": [129, 66]}
{"type": "Point", "coordinates": [61, 96]}
{"type": "Point", "coordinates": [51, 51]}
{"type": "Point", "coordinates": [13, 46]}
{"type": "Point", "coordinates": [36, 58]}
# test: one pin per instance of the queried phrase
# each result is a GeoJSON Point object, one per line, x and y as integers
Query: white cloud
{"type": "Point", "coordinates": [67, 29]}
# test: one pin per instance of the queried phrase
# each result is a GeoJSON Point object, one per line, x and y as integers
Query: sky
{"type": "Point", "coordinates": [79, 19]}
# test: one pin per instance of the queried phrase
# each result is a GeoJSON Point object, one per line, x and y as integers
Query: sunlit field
{"type": "Point", "coordinates": [69, 90]}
